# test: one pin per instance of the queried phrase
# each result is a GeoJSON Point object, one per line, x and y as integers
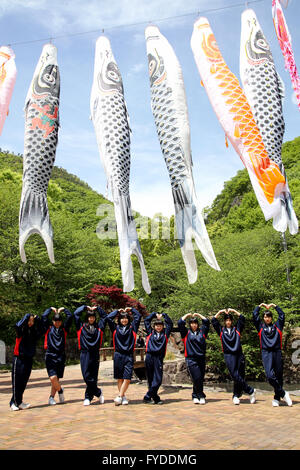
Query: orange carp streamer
{"type": "Point", "coordinates": [236, 118]}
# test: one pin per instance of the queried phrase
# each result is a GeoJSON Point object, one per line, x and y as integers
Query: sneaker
{"type": "Point", "coordinates": [118, 401]}
{"type": "Point", "coordinates": [51, 401]}
{"type": "Point", "coordinates": [14, 407]}
{"type": "Point", "coordinates": [202, 401]}
{"type": "Point", "coordinates": [196, 401]}
{"type": "Point", "coordinates": [61, 396]}
{"type": "Point", "coordinates": [275, 402]}
{"type": "Point", "coordinates": [147, 400]}
{"type": "Point", "coordinates": [101, 399]}
{"type": "Point", "coordinates": [287, 399]}
{"type": "Point", "coordinates": [157, 400]}
{"type": "Point", "coordinates": [124, 401]}
{"type": "Point", "coordinates": [236, 400]}
{"type": "Point", "coordinates": [24, 406]}
{"type": "Point", "coordinates": [86, 402]}
{"type": "Point", "coordinates": [253, 397]}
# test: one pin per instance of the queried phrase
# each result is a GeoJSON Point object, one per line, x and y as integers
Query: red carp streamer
{"type": "Point", "coordinates": [285, 42]}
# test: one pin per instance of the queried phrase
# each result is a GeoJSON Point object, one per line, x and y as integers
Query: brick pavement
{"type": "Point", "coordinates": [178, 424]}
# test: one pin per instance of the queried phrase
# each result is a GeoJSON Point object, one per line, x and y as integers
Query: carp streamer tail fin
{"type": "Point", "coordinates": [190, 224]}
{"type": "Point", "coordinates": [34, 218]}
{"type": "Point", "coordinates": [128, 242]}
{"type": "Point", "coordinates": [286, 217]}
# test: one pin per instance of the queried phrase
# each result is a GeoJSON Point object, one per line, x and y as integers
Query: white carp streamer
{"type": "Point", "coordinates": [168, 103]}
{"type": "Point", "coordinates": [264, 90]}
{"type": "Point", "coordinates": [110, 119]}
{"type": "Point", "coordinates": [41, 134]}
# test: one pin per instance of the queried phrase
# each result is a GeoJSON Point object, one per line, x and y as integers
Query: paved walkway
{"type": "Point", "coordinates": [178, 424]}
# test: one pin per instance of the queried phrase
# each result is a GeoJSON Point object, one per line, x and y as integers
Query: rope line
{"type": "Point", "coordinates": [129, 25]}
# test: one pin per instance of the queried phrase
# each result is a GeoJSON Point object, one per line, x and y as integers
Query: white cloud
{"type": "Point", "coordinates": [139, 38]}
{"type": "Point", "coordinates": [81, 140]}
{"type": "Point", "coordinates": [66, 16]}
{"type": "Point", "coordinates": [137, 68]}
{"type": "Point", "coordinates": [151, 199]}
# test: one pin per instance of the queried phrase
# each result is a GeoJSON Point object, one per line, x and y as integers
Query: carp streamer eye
{"type": "Point", "coordinates": [113, 76]}
{"type": "Point", "coordinates": [262, 43]}
{"type": "Point", "coordinates": [152, 65]}
{"type": "Point", "coordinates": [214, 45]}
{"type": "Point", "coordinates": [49, 78]}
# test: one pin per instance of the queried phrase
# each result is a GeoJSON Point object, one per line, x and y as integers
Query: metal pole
{"type": "Point", "coordinates": [288, 274]}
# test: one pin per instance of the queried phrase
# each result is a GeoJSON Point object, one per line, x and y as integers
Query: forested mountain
{"type": "Point", "coordinates": [249, 251]}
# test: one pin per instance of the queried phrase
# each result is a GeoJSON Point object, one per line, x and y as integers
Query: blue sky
{"type": "Point", "coordinates": [77, 150]}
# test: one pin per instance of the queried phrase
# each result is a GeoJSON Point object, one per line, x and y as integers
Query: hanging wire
{"type": "Point", "coordinates": [129, 25]}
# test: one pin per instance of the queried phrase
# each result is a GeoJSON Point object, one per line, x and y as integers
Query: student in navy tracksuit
{"type": "Point", "coordinates": [270, 336]}
{"type": "Point", "coordinates": [124, 339]}
{"type": "Point", "coordinates": [28, 332]}
{"type": "Point", "coordinates": [194, 340]}
{"type": "Point", "coordinates": [230, 336]}
{"type": "Point", "coordinates": [156, 347]}
{"type": "Point", "coordinates": [54, 345]}
{"type": "Point", "coordinates": [90, 335]}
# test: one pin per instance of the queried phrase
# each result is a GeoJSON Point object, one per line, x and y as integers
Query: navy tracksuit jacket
{"type": "Point", "coordinates": [233, 354]}
{"type": "Point", "coordinates": [55, 343]}
{"type": "Point", "coordinates": [124, 339]}
{"type": "Point", "coordinates": [194, 352]}
{"type": "Point", "coordinates": [24, 351]}
{"type": "Point", "coordinates": [270, 337]}
{"type": "Point", "coordinates": [89, 343]}
{"type": "Point", "coordinates": [156, 346]}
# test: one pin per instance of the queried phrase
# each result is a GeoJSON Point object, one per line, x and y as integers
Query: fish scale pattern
{"type": "Point", "coordinates": [116, 133]}
{"type": "Point", "coordinates": [267, 172]}
{"type": "Point", "coordinates": [267, 108]}
{"type": "Point", "coordinates": [168, 132]}
{"type": "Point", "coordinates": [238, 105]}
{"type": "Point", "coordinates": [40, 151]}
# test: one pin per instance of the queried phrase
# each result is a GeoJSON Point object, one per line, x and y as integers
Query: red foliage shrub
{"type": "Point", "coordinates": [111, 298]}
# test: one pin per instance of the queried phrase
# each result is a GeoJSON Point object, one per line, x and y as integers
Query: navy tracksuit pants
{"type": "Point", "coordinates": [272, 361]}
{"type": "Point", "coordinates": [21, 370]}
{"type": "Point", "coordinates": [236, 366]}
{"type": "Point", "coordinates": [196, 368]}
{"type": "Point", "coordinates": [90, 362]}
{"type": "Point", "coordinates": [154, 368]}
